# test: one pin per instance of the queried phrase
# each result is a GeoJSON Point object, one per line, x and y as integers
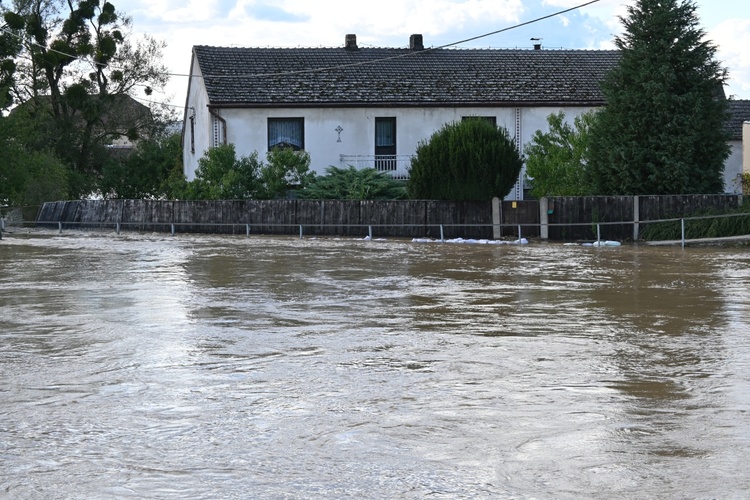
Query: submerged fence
{"type": "Point", "coordinates": [557, 218]}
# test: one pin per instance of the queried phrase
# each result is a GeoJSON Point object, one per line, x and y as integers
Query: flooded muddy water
{"type": "Point", "coordinates": [230, 367]}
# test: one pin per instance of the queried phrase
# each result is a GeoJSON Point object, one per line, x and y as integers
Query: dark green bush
{"type": "Point", "coordinates": [471, 160]}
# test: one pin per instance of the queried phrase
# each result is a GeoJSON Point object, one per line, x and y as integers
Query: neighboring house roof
{"type": "Point", "coordinates": [258, 77]}
{"type": "Point", "coordinates": [739, 112]}
{"type": "Point", "coordinates": [122, 114]}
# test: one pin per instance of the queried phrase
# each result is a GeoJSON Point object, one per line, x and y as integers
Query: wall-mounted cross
{"type": "Point", "coordinates": [339, 130]}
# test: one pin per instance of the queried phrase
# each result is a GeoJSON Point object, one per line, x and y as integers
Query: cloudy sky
{"type": "Point", "coordinates": [388, 23]}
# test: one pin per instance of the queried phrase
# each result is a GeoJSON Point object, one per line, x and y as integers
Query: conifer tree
{"type": "Point", "coordinates": [662, 130]}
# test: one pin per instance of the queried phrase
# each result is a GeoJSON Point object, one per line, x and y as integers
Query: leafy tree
{"type": "Point", "coordinates": [466, 160]}
{"type": "Point", "coordinates": [352, 184]}
{"type": "Point", "coordinates": [73, 72]}
{"type": "Point", "coordinates": [223, 176]}
{"type": "Point", "coordinates": [153, 170]}
{"type": "Point", "coordinates": [557, 160]}
{"type": "Point", "coordinates": [662, 131]}
{"type": "Point", "coordinates": [28, 177]}
{"type": "Point", "coordinates": [10, 46]}
{"type": "Point", "coordinates": [285, 168]}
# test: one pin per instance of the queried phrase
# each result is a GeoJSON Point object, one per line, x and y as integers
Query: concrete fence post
{"type": "Point", "coordinates": [544, 218]}
{"type": "Point", "coordinates": [497, 218]}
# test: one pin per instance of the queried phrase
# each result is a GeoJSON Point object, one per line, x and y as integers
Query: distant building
{"type": "Point", "coordinates": [123, 121]}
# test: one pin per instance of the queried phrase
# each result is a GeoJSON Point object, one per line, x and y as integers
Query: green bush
{"type": "Point", "coordinates": [223, 176]}
{"type": "Point", "coordinates": [352, 184]}
{"type": "Point", "coordinates": [470, 160]}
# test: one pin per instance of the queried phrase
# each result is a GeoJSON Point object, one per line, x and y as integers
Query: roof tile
{"type": "Point", "coordinates": [393, 76]}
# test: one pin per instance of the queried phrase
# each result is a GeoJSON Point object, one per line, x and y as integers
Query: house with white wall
{"type": "Point", "coordinates": [739, 159]}
{"type": "Point", "coordinates": [371, 107]}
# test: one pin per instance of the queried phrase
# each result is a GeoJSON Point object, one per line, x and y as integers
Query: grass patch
{"type": "Point", "coordinates": [705, 224]}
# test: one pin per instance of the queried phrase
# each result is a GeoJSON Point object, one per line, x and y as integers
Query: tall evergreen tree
{"type": "Point", "coordinates": [662, 131]}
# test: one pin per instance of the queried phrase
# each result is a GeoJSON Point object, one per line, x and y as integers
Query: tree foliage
{"type": "Point", "coordinates": [286, 168]}
{"type": "Point", "coordinates": [557, 160]}
{"type": "Point", "coordinates": [75, 68]}
{"type": "Point", "coordinates": [467, 160]}
{"type": "Point", "coordinates": [662, 131]}
{"type": "Point", "coordinates": [28, 177]}
{"type": "Point", "coordinates": [352, 184]}
{"type": "Point", "coordinates": [10, 47]}
{"type": "Point", "coordinates": [152, 171]}
{"type": "Point", "coordinates": [223, 176]}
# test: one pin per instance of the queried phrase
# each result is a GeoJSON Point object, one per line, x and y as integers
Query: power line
{"type": "Point", "coordinates": [399, 56]}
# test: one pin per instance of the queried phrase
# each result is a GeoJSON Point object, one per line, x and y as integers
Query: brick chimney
{"type": "Point", "coordinates": [415, 42]}
{"type": "Point", "coordinates": [350, 42]}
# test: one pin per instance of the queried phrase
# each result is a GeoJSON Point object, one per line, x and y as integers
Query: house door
{"type": "Point", "coordinates": [385, 143]}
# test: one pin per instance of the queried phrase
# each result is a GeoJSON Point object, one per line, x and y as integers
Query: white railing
{"type": "Point", "coordinates": [397, 166]}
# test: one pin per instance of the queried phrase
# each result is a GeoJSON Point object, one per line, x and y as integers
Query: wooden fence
{"type": "Point", "coordinates": [420, 218]}
{"type": "Point", "coordinates": [555, 218]}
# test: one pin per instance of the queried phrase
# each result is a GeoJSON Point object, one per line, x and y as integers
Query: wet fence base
{"type": "Point", "coordinates": [555, 218]}
{"type": "Point", "coordinates": [421, 218]}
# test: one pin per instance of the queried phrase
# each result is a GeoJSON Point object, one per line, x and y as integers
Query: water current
{"type": "Point", "coordinates": [190, 366]}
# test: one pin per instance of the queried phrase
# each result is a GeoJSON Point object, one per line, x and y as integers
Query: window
{"type": "Point", "coordinates": [192, 133]}
{"type": "Point", "coordinates": [385, 143]}
{"type": "Point", "coordinates": [491, 119]}
{"type": "Point", "coordinates": [286, 133]}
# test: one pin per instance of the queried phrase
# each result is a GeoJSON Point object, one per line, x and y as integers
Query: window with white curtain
{"type": "Point", "coordinates": [286, 133]}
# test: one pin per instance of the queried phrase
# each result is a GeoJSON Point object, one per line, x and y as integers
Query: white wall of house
{"type": "Point", "coordinates": [733, 169]}
{"type": "Point", "coordinates": [746, 147]}
{"type": "Point", "coordinates": [196, 138]}
{"type": "Point", "coordinates": [247, 129]}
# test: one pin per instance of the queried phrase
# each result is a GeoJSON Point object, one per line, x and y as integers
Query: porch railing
{"type": "Point", "coordinates": [397, 166]}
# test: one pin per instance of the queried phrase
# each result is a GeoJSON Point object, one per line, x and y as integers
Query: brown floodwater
{"type": "Point", "coordinates": [147, 365]}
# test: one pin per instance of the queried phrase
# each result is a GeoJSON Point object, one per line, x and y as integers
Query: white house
{"type": "Point", "coordinates": [739, 113]}
{"type": "Point", "coordinates": [371, 107]}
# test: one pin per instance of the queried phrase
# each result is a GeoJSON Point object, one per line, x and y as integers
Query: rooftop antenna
{"type": "Point", "coordinates": [537, 43]}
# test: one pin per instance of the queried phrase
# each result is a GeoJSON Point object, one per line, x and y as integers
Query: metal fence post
{"type": "Point", "coordinates": [172, 229]}
{"type": "Point", "coordinates": [442, 234]}
{"type": "Point", "coordinates": [300, 231]}
{"type": "Point", "coordinates": [247, 229]}
{"type": "Point", "coordinates": [519, 233]}
{"type": "Point", "coordinates": [117, 228]}
{"type": "Point", "coordinates": [598, 235]}
{"type": "Point", "coordinates": [682, 222]}
{"type": "Point", "coordinates": [369, 231]}
{"type": "Point", "coordinates": [59, 227]}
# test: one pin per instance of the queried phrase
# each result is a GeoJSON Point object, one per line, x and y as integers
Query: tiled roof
{"type": "Point", "coordinates": [739, 112]}
{"type": "Point", "coordinates": [402, 77]}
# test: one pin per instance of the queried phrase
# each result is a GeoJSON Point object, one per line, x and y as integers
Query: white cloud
{"type": "Point", "coordinates": [388, 23]}
{"type": "Point", "coordinates": [732, 38]}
